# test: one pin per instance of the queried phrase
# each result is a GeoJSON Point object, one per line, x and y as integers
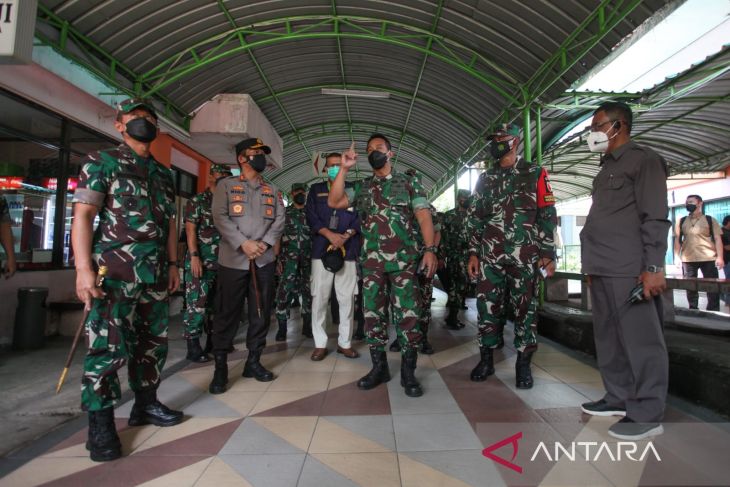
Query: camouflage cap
{"type": "Point", "coordinates": [464, 193]}
{"type": "Point", "coordinates": [133, 103]}
{"type": "Point", "coordinates": [220, 169]}
{"type": "Point", "coordinates": [299, 186]}
{"type": "Point", "coordinates": [505, 129]}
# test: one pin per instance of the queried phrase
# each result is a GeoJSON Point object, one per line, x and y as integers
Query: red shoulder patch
{"type": "Point", "coordinates": [545, 195]}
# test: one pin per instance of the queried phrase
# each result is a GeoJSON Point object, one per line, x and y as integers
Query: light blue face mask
{"type": "Point", "coordinates": [333, 171]}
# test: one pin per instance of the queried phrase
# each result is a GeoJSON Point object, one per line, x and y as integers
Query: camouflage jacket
{"type": "Point", "coordinates": [4, 210]}
{"type": "Point", "coordinates": [512, 215]}
{"type": "Point", "coordinates": [296, 241]}
{"type": "Point", "coordinates": [136, 200]}
{"type": "Point", "coordinates": [387, 209]}
{"type": "Point", "coordinates": [198, 211]}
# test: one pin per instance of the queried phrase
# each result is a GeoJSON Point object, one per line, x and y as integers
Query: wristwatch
{"type": "Point", "coordinates": [172, 263]}
{"type": "Point", "coordinates": [194, 254]}
{"type": "Point", "coordinates": [654, 269]}
{"type": "Point", "coordinates": [350, 231]}
{"type": "Point", "coordinates": [433, 249]}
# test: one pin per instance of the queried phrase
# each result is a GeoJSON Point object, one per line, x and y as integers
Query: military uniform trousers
{"type": "Point", "coordinates": [458, 282]}
{"type": "Point", "coordinates": [630, 348]}
{"type": "Point", "coordinates": [199, 301]}
{"type": "Point", "coordinates": [127, 326]}
{"type": "Point", "coordinates": [294, 281]}
{"type": "Point", "coordinates": [511, 285]}
{"type": "Point", "coordinates": [232, 286]}
{"type": "Point", "coordinates": [425, 288]}
{"type": "Point", "coordinates": [403, 297]}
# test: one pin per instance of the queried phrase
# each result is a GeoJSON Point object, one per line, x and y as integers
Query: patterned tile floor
{"type": "Point", "coordinates": [313, 427]}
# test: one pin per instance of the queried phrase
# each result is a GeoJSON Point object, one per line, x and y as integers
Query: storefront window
{"type": "Point", "coordinates": [37, 148]}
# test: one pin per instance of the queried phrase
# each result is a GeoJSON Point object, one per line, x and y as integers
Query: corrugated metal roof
{"type": "Point", "coordinates": [686, 119]}
{"type": "Point", "coordinates": [505, 42]}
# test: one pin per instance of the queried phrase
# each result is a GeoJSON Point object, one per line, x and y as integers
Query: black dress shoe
{"type": "Point", "coordinates": [154, 413]}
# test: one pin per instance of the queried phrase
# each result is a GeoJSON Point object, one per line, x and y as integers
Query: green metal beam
{"type": "Point", "coordinates": [262, 74]}
{"type": "Point", "coordinates": [419, 78]}
{"type": "Point", "coordinates": [455, 116]}
{"type": "Point", "coordinates": [342, 70]}
{"type": "Point", "coordinates": [82, 50]}
{"type": "Point", "coordinates": [527, 148]}
{"type": "Point", "coordinates": [340, 128]}
{"type": "Point", "coordinates": [274, 31]}
{"type": "Point", "coordinates": [538, 135]}
{"type": "Point", "coordinates": [594, 27]}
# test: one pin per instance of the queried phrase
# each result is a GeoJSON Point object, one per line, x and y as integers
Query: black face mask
{"type": "Point", "coordinates": [142, 130]}
{"type": "Point", "coordinates": [300, 199]}
{"type": "Point", "coordinates": [257, 162]}
{"type": "Point", "coordinates": [377, 159]}
{"type": "Point", "coordinates": [691, 208]}
{"type": "Point", "coordinates": [464, 204]}
{"type": "Point", "coordinates": [499, 149]}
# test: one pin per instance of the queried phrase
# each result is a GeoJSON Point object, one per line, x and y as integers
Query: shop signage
{"type": "Point", "coordinates": [17, 27]}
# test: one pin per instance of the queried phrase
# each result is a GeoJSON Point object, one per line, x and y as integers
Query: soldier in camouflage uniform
{"type": "Point", "coordinates": [201, 265]}
{"type": "Point", "coordinates": [425, 285]}
{"type": "Point", "coordinates": [6, 239]}
{"type": "Point", "coordinates": [295, 258]}
{"type": "Point", "coordinates": [511, 224]}
{"type": "Point", "coordinates": [136, 240]}
{"type": "Point", "coordinates": [390, 204]}
{"type": "Point", "coordinates": [455, 248]}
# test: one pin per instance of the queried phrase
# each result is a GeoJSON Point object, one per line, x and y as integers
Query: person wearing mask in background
{"type": "Point", "coordinates": [698, 242]}
{"type": "Point", "coordinates": [510, 225]}
{"type": "Point", "coordinates": [201, 265]}
{"type": "Point", "coordinates": [136, 240]}
{"type": "Point", "coordinates": [294, 253]}
{"type": "Point", "coordinates": [335, 231]}
{"type": "Point", "coordinates": [389, 204]}
{"type": "Point", "coordinates": [624, 242]}
{"type": "Point", "coordinates": [249, 214]}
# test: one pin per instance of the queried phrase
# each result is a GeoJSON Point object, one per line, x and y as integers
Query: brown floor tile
{"type": "Point", "coordinates": [348, 400]}
{"type": "Point", "coordinates": [208, 442]}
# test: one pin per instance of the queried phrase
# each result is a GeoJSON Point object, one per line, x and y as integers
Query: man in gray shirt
{"type": "Point", "coordinates": [249, 214]}
{"type": "Point", "coordinates": [624, 242]}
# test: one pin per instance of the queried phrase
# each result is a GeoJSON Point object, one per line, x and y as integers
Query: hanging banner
{"type": "Point", "coordinates": [17, 27]}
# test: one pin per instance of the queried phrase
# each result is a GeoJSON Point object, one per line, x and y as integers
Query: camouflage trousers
{"type": "Point", "coordinates": [199, 302]}
{"type": "Point", "coordinates": [425, 288]}
{"type": "Point", "coordinates": [294, 281]}
{"type": "Point", "coordinates": [518, 281]}
{"type": "Point", "coordinates": [127, 326]}
{"type": "Point", "coordinates": [459, 281]}
{"type": "Point", "coordinates": [399, 290]}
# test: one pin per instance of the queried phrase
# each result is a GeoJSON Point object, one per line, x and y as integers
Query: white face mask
{"type": "Point", "coordinates": [597, 141]}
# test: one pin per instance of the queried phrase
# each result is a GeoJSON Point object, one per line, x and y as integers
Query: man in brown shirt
{"type": "Point", "coordinates": [700, 248]}
{"type": "Point", "coordinates": [624, 242]}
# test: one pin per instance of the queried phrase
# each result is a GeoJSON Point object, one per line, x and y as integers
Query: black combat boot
{"type": "Point", "coordinates": [452, 320]}
{"type": "Point", "coordinates": [523, 373]}
{"type": "Point", "coordinates": [281, 333]}
{"type": "Point", "coordinates": [148, 410]}
{"type": "Point", "coordinates": [103, 443]}
{"type": "Point", "coordinates": [254, 368]}
{"type": "Point", "coordinates": [485, 367]}
{"type": "Point", "coordinates": [380, 372]}
{"type": "Point", "coordinates": [359, 331]}
{"type": "Point", "coordinates": [426, 347]}
{"type": "Point", "coordinates": [407, 373]}
{"type": "Point", "coordinates": [395, 346]}
{"type": "Point", "coordinates": [195, 351]}
{"type": "Point", "coordinates": [220, 375]}
{"type": "Point", "coordinates": [307, 326]}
